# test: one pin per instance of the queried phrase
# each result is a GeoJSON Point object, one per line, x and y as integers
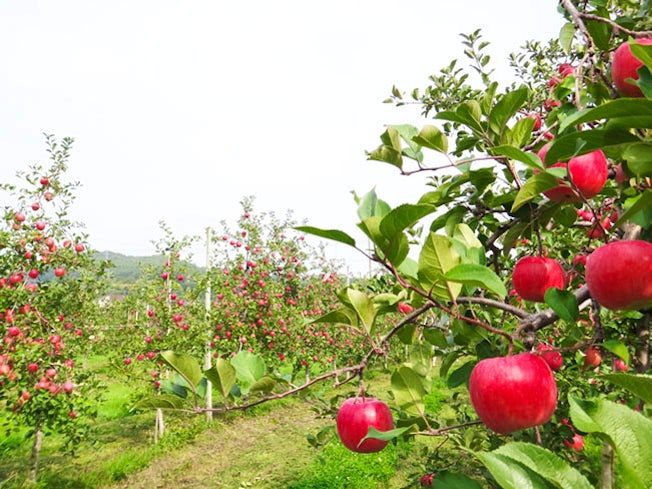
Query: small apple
{"type": "Point", "coordinates": [533, 275]}
{"type": "Point", "coordinates": [625, 65]}
{"type": "Point", "coordinates": [79, 247]}
{"type": "Point", "coordinates": [68, 387]}
{"type": "Point", "coordinates": [620, 365]}
{"type": "Point", "coordinates": [59, 272]}
{"type": "Point", "coordinates": [44, 181]}
{"type": "Point", "coordinates": [577, 443]}
{"type": "Point", "coordinates": [426, 480]}
{"type": "Point", "coordinates": [619, 275]}
{"type": "Point", "coordinates": [551, 356]}
{"type": "Point", "coordinates": [19, 217]}
{"type": "Point", "coordinates": [32, 368]}
{"type": "Point", "coordinates": [36, 206]}
{"type": "Point", "coordinates": [404, 308]}
{"type": "Point", "coordinates": [588, 173]}
{"type": "Point", "coordinates": [512, 393]}
{"type": "Point", "coordinates": [127, 361]}
{"type": "Point", "coordinates": [593, 357]}
{"type": "Point", "coordinates": [354, 418]}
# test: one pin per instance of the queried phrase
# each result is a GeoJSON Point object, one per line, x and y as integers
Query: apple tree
{"type": "Point", "coordinates": [50, 283]}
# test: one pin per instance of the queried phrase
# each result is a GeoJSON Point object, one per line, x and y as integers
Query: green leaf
{"type": "Point", "coordinates": [521, 133]}
{"type": "Point", "coordinates": [506, 107]}
{"type": "Point", "coordinates": [407, 133]}
{"type": "Point", "coordinates": [576, 143]}
{"type": "Point", "coordinates": [265, 384]}
{"type": "Point", "coordinates": [642, 52]}
{"type": "Point", "coordinates": [509, 473]}
{"type": "Point", "coordinates": [433, 138]}
{"type": "Point", "coordinates": [460, 375]}
{"type": "Point", "coordinates": [530, 159]}
{"type": "Point", "coordinates": [407, 334]}
{"type": "Point", "coordinates": [600, 33]}
{"type": "Point", "coordinates": [566, 35]}
{"type": "Point", "coordinates": [618, 348]}
{"type": "Point", "coordinates": [384, 435]}
{"type": "Point", "coordinates": [622, 107]}
{"type": "Point", "coordinates": [364, 307]}
{"type": "Point", "coordinates": [466, 235]}
{"type": "Point", "coordinates": [564, 303]}
{"type": "Point", "coordinates": [408, 390]}
{"type": "Point", "coordinates": [371, 206]}
{"type": "Point", "coordinates": [343, 315]}
{"type": "Point", "coordinates": [403, 217]}
{"type": "Point", "coordinates": [639, 203]}
{"type": "Point", "coordinates": [545, 464]}
{"type": "Point", "coordinates": [639, 385]}
{"type": "Point", "coordinates": [222, 375]}
{"type": "Point", "coordinates": [448, 480]}
{"type": "Point", "coordinates": [478, 276]}
{"type": "Point", "coordinates": [639, 159]}
{"type": "Point", "coordinates": [184, 365]}
{"type": "Point", "coordinates": [333, 234]}
{"type": "Point", "coordinates": [629, 432]}
{"type": "Point", "coordinates": [533, 187]}
{"type": "Point", "coordinates": [437, 257]}
{"type": "Point", "coordinates": [163, 401]}
{"type": "Point", "coordinates": [249, 368]}
{"type": "Point", "coordinates": [386, 154]}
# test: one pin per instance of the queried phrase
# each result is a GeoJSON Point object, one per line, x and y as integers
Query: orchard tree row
{"type": "Point", "coordinates": [525, 270]}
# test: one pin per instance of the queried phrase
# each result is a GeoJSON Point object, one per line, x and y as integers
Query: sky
{"type": "Point", "coordinates": [180, 109]}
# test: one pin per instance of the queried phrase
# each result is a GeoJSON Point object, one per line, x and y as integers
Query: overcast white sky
{"type": "Point", "coordinates": [180, 108]}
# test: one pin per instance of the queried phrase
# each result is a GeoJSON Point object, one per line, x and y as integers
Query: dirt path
{"type": "Point", "coordinates": [264, 451]}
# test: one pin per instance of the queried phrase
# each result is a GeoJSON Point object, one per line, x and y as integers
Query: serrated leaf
{"type": "Point", "coordinates": [564, 303]}
{"type": "Point", "coordinates": [369, 205]}
{"type": "Point", "coordinates": [521, 132]}
{"type": "Point", "coordinates": [332, 234]}
{"type": "Point", "coordinates": [509, 473]}
{"type": "Point", "coordinates": [436, 258]}
{"type": "Point", "coordinates": [639, 159]}
{"type": "Point", "coordinates": [533, 187]}
{"type": "Point", "coordinates": [460, 375]}
{"type": "Point", "coordinates": [630, 433]}
{"type": "Point", "coordinates": [222, 375]}
{"type": "Point", "coordinates": [545, 464]}
{"type": "Point", "coordinates": [642, 52]}
{"type": "Point", "coordinates": [448, 480]}
{"type": "Point", "coordinates": [567, 146]}
{"type": "Point", "coordinates": [265, 384]}
{"type": "Point", "coordinates": [618, 348]}
{"type": "Point", "coordinates": [184, 365]}
{"type": "Point", "coordinates": [364, 307]}
{"type": "Point", "coordinates": [622, 107]}
{"type": "Point", "coordinates": [384, 435]}
{"type": "Point", "coordinates": [530, 159]}
{"type": "Point", "coordinates": [387, 154]}
{"type": "Point", "coordinates": [478, 276]}
{"type": "Point", "coordinates": [566, 35]}
{"type": "Point", "coordinates": [408, 390]}
{"type": "Point", "coordinates": [249, 368]}
{"type": "Point", "coordinates": [506, 107]}
{"type": "Point", "coordinates": [343, 315]}
{"type": "Point", "coordinates": [403, 217]}
{"type": "Point", "coordinates": [431, 137]}
{"type": "Point", "coordinates": [640, 385]}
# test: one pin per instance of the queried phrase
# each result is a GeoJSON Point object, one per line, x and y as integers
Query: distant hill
{"type": "Point", "coordinates": [127, 269]}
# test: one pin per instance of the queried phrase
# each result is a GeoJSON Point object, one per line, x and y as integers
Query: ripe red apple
{"type": "Point", "coordinates": [588, 173]}
{"type": "Point", "coordinates": [68, 387]}
{"type": "Point", "coordinates": [404, 308]}
{"type": "Point", "coordinates": [127, 361]}
{"type": "Point", "coordinates": [44, 181]}
{"type": "Point", "coordinates": [48, 196]}
{"type": "Point", "coordinates": [59, 272]}
{"type": "Point", "coordinates": [551, 356]}
{"type": "Point", "coordinates": [426, 480]}
{"type": "Point", "coordinates": [533, 275]}
{"type": "Point", "coordinates": [32, 368]}
{"type": "Point", "coordinates": [512, 393]}
{"type": "Point", "coordinates": [40, 225]}
{"type": "Point", "coordinates": [36, 206]}
{"type": "Point", "coordinates": [625, 65]}
{"type": "Point", "coordinates": [354, 418]}
{"type": "Point", "coordinates": [593, 357]}
{"type": "Point", "coordinates": [577, 443]}
{"type": "Point", "coordinates": [619, 275]}
{"type": "Point", "coordinates": [79, 247]}
{"type": "Point", "coordinates": [620, 365]}
{"type": "Point", "coordinates": [19, 217]}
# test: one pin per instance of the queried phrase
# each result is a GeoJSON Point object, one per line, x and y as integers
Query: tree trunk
{"type": "Point", "coordinates": [159, 427]}
{"type": "Point", "coordinates": [607, 475]}
{"type": "Point", "coordinates": [36, 454]}
{"type": "Point", "coordinates": [643, 349]}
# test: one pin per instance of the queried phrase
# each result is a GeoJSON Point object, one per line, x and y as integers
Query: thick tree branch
{"type": "Point", "coordinates": [503, 306]}
{"type": "Point", "coordinates": [617, 27]}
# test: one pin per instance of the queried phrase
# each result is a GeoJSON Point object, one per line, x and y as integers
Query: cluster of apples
{"type": "Point", "coordinates": [519, 391]}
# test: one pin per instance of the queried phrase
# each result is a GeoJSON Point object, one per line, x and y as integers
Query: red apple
{"type": "Point", "coordinates": [619, 275]}
{"type": "Point", "coordinates": [588, 173]}
{"type": "Point", "coordinates": [79, 247]}
{"type": "Point", "coordinates": [625, 65]}
{"type": "Point", "coordinates": [59, 272]}
{"type": "Point", "coordinates": [551, 356]}
{"type": "Point", "coordinates": [426, 480]}
{"type": "Point", "coordinates": [533, 275]}
{"type": "Point", "coordinates": [593, 357]}
{"type": "Point", "coordinates": [404, 308]}
{"type": "Point", "coordinates": [620, 365]}
{"type": "Point", "coordinates": [36, 206]}
{"type": "Point", "coordinates": [512, 393]}
{"type": "Point", "coordinates": [577, 443]}
{"type": "Point", "coordinates": [356, 416]}
{"type": "Point", "coordinates": [44, 181]}
{"type": "Point", "coordinates": [19, 217]}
